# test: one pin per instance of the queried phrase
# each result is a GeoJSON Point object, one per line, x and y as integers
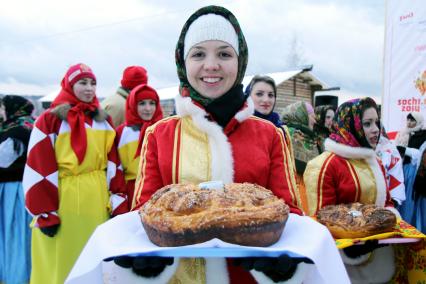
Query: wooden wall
{"type": "Point", "coordinates": [286, 93]}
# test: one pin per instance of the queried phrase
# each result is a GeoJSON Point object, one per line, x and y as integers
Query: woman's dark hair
{"type": "Point", "coordinates": [368, 103]}
{"type": "Point", "coordinates": [409, 116]}
{"type": "Point", "coordinates": [261, 78]}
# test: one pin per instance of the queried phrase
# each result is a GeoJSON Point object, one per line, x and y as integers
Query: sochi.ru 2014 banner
{"type": "Point", "coordinates": [404, 81]}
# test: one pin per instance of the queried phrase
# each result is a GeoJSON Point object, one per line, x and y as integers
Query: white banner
{"type": "Point", "coordinates": [404, 80]}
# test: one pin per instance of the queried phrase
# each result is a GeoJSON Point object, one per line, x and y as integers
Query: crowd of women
{"type": "Point", "coordinates": [78, 169]}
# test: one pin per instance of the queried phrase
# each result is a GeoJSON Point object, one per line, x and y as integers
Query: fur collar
{"type": "Point", "coordinates": [61, 111]}
{"type": "Point", "coordinates": [222, 164]}
{"type": "Point", "coordinates": [360, 153]}
{"type": "Point", "coordinates": [348, 152]}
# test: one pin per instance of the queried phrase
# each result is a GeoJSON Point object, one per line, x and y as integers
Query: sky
{"type": "Point", "coordinates": [342, 39]}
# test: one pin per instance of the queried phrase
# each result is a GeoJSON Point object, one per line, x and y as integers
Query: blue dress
{"type": "Point", "coordinates": [15, 232]}
{"type": "Point", "coordinates": [15, 235]}
{"type": "Point", "coordinates": [413, 210]}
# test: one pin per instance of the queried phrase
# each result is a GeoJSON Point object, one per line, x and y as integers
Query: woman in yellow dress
{"type": "Point", "coordinates": [72, 179]}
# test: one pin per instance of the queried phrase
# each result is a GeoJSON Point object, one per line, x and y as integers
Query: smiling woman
{"type": "Point", "coordinates": [143, 109]}
{"type": "Point", "coordinates": [212, 68]}
{"type": "Point", "coordinates": [213, 137]}
{"type": "Point", "coordinates": [72, 180]}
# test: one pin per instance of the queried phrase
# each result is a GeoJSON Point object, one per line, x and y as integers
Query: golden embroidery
{"type": "Point", "coordinates": [141, 169]}
{"type": "Point", "coordinates": [367, 181]}
{"type": "Point", "coordinates": [354, 177]}
{"type": "Point", "coordinates": [319, 205]}
{"type": "Point", "coordinates": [193, 143]}
{"type": "Point", "coordinates": [175, 150]}
{"type": "Point", "coordinates": [289, 170]}
{"type": "Point", "coordinates": [190, 271]}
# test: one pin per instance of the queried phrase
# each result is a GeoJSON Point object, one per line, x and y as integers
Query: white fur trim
{"type": "Point", "coordinates": [354, 260]}
{"type": "Point", "coordinates": [360, 153]}
{"type": "Point", "coordinates": [298, 277]}
{"type": "Point", "coordinates": [220, 148]}
{"type": "Point", "coordinates": [216, 271]}
{"type": "Point", "coordinates": [394, 211]}
{"type": "Point", "coordinates": [380, 270]}
{"type": "Point", "coordinates": [348, 152]}
{"type": "Point", "coordinates": [112, 273]}
{"type": "Point", "coordinates": [245, 112]}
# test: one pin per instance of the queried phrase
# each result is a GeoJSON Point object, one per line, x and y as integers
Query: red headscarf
{"type": "Point", "coordinates": [76, 115]}
{"type": "Point", "coordinates": [139, 93]}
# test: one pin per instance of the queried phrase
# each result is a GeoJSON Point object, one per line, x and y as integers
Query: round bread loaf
{"type": "Point", "coordinates": [183, 214]}
{"type": "Point", "coordinates": [356, 220]}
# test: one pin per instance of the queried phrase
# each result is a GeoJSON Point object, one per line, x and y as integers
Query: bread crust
{"type": "Point", "coordinates": [183, 214]}
{"type": "Point", "coordinates": [356, 220]}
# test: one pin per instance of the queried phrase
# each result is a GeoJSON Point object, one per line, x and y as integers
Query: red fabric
{"type": "Point", "coordinates": [130, 185]}
{"type": "Point", "coordinates": [140, 93]}
{"type": "Point", "coordinates": [42, 196]}
{"type": "Point", "coordinates": [337, 174]}
{"type": "Point", "coordinates": [76, 115]}
{"type": "Point", "coordinates": [77, 72]}
{"type": "Point", "coordinates": [50, 220]}
{"type": "Point", "coordinates": [269, 170]}
{"type": "Point", "coordinates": [117, 184]}
{"type": "Point", "coordinates": [133, 76]}
{"type": "Point", "coordinates": [392, 135]}
{"type": "Point", "coordinates": [237, 275]}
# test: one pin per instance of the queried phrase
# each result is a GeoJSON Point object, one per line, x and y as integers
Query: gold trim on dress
{"type": "Point", "coordinates": [176, 140]}
{"type": "Point", "coordinates": [355, 179]}
{"type": "Point", "coordinates": [194, 154]}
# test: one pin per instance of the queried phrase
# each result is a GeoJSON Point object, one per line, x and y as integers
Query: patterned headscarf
{"type": "Point", "coordinates": [18, 112]}
{"type": "Point", "coordinates": [296, 114]}
{"type": "Point", "coordinates": [140, 93]}
{"type": "Point", "coordinates": [347, 122]}
{"type": "Point", "coordinates": [320, 114]}
{"type": "Point", "coordinates": [76, 115]}
{"type": "Point", "coordinates": [185, 88]}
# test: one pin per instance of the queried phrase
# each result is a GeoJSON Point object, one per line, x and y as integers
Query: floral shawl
{"type": "Point", "coordinates": [347, 123]}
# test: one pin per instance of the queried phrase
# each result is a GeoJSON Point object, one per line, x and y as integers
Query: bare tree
{"type": "Point", "coordinates": [295, 55]}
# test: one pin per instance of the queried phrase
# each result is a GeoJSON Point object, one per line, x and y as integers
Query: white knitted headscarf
{"type": "Point", "coordinates": [210, 27]}
{"type": "Point", "coordinates": [404, 135]}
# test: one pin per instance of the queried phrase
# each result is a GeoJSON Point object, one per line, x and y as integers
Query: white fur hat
{"type": "Point", "coordinates": [210, 27]}
{"type": "Point", "coordinates": [418, 117]}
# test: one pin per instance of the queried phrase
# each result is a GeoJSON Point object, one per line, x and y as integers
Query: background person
{"type": "Point", "coordinates": [142, 110]}
{"type": "Point", "coordinates": [15, 234]}
{"type": "Point", "coordinates": [263, 91]}
{"type": "Point", "coordinates": [300, 119]}
{"type": "Point", "coordinates": [323, 120]}
{"type": "Point", "coordinates": [349, 171]}
{"type": "Point", "coordinates": [72, 179]}
{"type": "Point", "coordinates": [115, 104]}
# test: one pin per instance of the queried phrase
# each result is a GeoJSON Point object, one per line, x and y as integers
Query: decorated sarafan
{"type": "Point", "coordinates": [356, 220]}
{"type": "Point", "coordinates": [240, 213]}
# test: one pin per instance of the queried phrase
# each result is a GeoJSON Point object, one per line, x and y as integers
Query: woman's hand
{"type": "Point", "coordinates": [145, 266]}
{"type": "Point", "coordinates": [50, 231]}
{"type": "Point", "coordinates": [358, 250]}
{"type": "Point", "coordinates": [277, 269]}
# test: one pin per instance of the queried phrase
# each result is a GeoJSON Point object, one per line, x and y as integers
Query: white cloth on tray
{"type": "Point", "coordinates": [124, 235]}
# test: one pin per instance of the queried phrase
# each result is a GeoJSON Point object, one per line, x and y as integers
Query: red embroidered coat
{"type": "Point", "coordinates": [190, 148]}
